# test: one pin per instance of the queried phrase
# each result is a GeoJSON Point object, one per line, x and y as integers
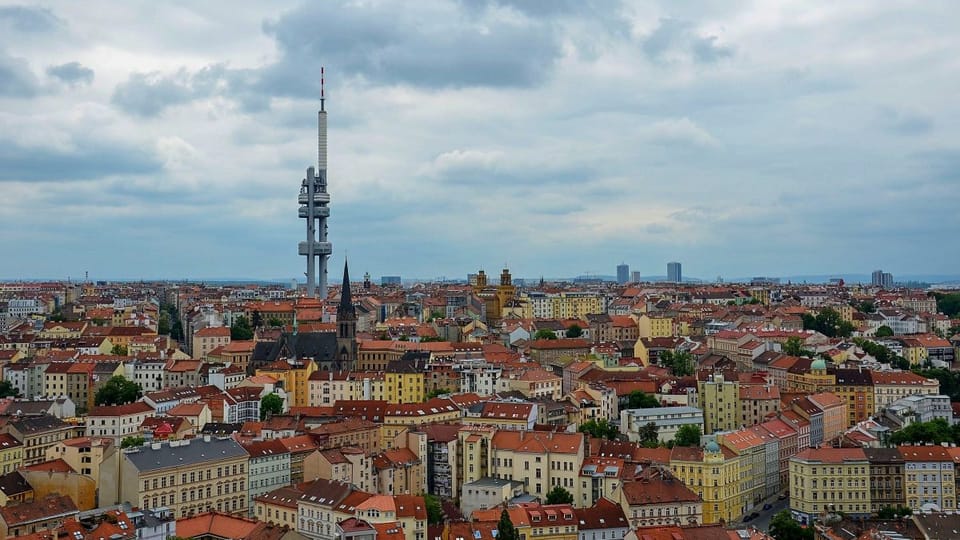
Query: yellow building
{"type": "Point", "coordinates": [827, 480]}
{"type": "Point", "coordinates": [328, 387]}
{"type": "Point", "coordinates": [84, 454]}
{"type": "Point", "coordinates": [398, 418]}
{"type": "Point", "coordinates": [404, 383]}
{"type": "Point", "coordinates": [473, 453]}
{"type": "Point", "coordinates": [720, 401]}
{"type": "Point", "coordinates": [914, 351]}
{"type": "Point", "coordinates": [713, 473]}
{"type": "Point", "coordinates": [11, 453]}
{"type": "Point", "coordinates": [295, 375]}
{"type": "Point", "coordinates": [62, 330]}
{"type": "Point", "coordinates": [541, 460]}
{"type": "Point", "coordinates": [652, 326]}
{"type": "Point", "coordinates": [753, 467]}
{"type": "Point", "coordinates": [577, 304]}
{"type": "Point", "coordinates": [188, 477]}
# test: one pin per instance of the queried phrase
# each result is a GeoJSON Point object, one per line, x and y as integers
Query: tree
{"type": "Point", "coordinates": [948, 303]}
{"type": "Point", "coordinates": [601, 429]}
{"type": "Point", "coordinates": [241, 329]}
{"type": "Point", "coordinates": [257, 319]}
{"type": "Point", "coordinates": [131, 441]}
{"type": "Point", "coordinates": [273, 321]}
{"type": "Point", "coordinates": [438, 392]}
{"type": "Point", "coordinates": [119, 350]}
{"type": "Point", "coordinates": [641, 400]}
{"type": "Point", "coordinates": [935, 432]}
{"type": "Point", "coordinates": [434, 510]}
{"type": "Point", "coordinates": [543, 333]}
{"type": "Point", "coordinates": [649, 435]}
{"type": "Point", "coordinates": [680, 363]}
{"type": "Point", "coordinates": [270, 404]}
{"type": "Point", "coordinates": [883, 331]}
{"type": "Point", "coordinates": [118, 391]}
{"type": "Point", "coordinates": [7, 389]}
{"type": "Point", "coordinates": [784, 527]}
{"type": "Point", "coordinates": [574, 331]}
{"type": "Point", "coordinates": [794, 347]}
{"type": "Point", "coordinates": [828, 322]}
{"type": "Point", "coordinates": [867, 306]}
{"type": "Point", "coordinates": [559, 495]}
{"type": "Point", "coordinates": [505, 528]}
{"type": "Point", "coordinates": [688, 435]}
{"type": "Point", "coordinates": [163, 325]}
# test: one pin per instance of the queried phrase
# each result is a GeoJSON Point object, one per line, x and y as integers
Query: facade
{"type": "Point", "coordinates": [37, 434]}
{"type": "Point", "coordinates": [668, 420]}
{"type": "Point", "coordinates": [829, 480]}
{"type": "Point", "coordinates": [541, 460]}
{"type": "Point", "coordinates": [674, 273]}
{"type": "Point", "coordinates": [188, 477]}
{"type": "Point", "coordinates": [269, 469]}
{"type": "Point", "coordinates": [118, 421]}
{"type": "Point", "coordinates": [886, 478]}
{"type": "Point", "coordinates": [658, 498]}
{"type": "Point", "coordinates": [713, 473]}
{"type": "Point", "coordinates": [929, 478]}
{"type": "Point", "coordinates": [623, 273]}
{"type": "Point", "coordinates": [720, 401]}
{"type": "Point", "coordinates": [487, 493]}
{"type": "Point", "coordinates": [209, 338]}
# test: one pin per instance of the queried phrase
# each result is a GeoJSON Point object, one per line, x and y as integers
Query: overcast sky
{"type": "Point", "coordinates": [145, 139]}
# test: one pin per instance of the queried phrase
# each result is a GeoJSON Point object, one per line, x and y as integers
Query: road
{"type": "Point", "coordinates": [763, 522]}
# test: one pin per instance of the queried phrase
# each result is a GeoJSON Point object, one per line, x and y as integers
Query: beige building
{"type": "Point", "coordinates": [542, 460]}
{"type": "Point", "coordinates": [827, 480]}
{"type": "Point", "coordinates": [118, 421]}
{"type": "Point", "coordinates": [349, 465]}
{"type": "Point", "coordinates": [657, 498]}
{"type": "Point", "coordinates": [208, 339]}
{"type": "Point", "coordinates": [189, 476]}
{"type": "Point", "coordinates": [37, 434]}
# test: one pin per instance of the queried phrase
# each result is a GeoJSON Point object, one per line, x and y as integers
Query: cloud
{"type": "Point", "coordinates": [681, 131]}
{"type": "Point", "coordinates": [904, 122]}
{"type": "Point", "coordinates": [675, 39]}
{"type": "Point", "coordinates": [148, 94]}
{"type": "Point", "coordinates": [72, 73]}
{"type": "Point", "coordinates": [16, 79]}
{"type": "Point", "coordinates": [28, 18]}
{"type": "Point", "coordinates": [87, 159]}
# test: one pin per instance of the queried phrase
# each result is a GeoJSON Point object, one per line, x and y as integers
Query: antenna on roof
{"type": "Point", "coordinates": [323, 96]}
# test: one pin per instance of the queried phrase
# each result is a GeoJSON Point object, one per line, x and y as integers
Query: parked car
{"type": "Point", "coordinates": [767, 506]}
{"type": "Point", "coordinates": [781, 497]}
{"type": "Point", "coordinates": [747, 517]}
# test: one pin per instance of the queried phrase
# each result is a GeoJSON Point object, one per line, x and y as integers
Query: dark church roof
{"type": "Point", "coordinates": [317, 346]}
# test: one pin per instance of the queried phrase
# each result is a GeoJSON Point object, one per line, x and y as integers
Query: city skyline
{"type": "Point", "coordinates": [766, 140]}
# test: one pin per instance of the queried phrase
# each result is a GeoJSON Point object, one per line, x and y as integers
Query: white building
{"type": "Point", "coordinates": [269, 468]}
{"type": "Point", "coordinates": [118, 421]}
{"type": "Point", "coordinates": [667, 419]}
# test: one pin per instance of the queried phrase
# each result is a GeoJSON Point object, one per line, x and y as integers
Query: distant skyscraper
{"type": "Point", "coordinates": [314, 201]}
{"type": "Point", "coordinates": [673, 272]}
{"type": "Point", "coordinates": [879, 278]}
{"type": "Point", "coordinates": [386, 281]}
{"type": "Point", "coordinates": [623, 273]}
{"type": "Point", "coordinates": [636, 277]}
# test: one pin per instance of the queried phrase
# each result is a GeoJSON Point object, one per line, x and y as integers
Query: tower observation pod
{"type": "Point", "coordinates": [315, 208]}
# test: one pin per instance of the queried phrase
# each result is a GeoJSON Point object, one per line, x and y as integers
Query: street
{"type": "Point", "coordinates": [763, 521]}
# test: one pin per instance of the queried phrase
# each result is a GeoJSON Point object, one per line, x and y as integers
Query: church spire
{"type": "Point", "coordinates": [346, 299]}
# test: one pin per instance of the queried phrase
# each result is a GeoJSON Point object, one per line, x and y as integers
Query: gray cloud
{"type": "Point", "coordinates": [72, 73]}
{"type": "Point", "coordinates": [677, 37]}
{"type": "Point", "coordinates": [16, 79]}
{"type": "Point", "coordinates": [904, 122]}
{"type": "Point", "coordinates": [89, 159]}
{"type": "Point", "coordinates": [148, 94]}
{"type": "Point", "coordinates": [28, 18]}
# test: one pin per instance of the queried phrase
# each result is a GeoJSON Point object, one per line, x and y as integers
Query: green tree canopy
{"type": "Point", "coordinates": [784, 527]}
{"type": "Point", "coordinates": [7, 389]}
{"type": "Point", "coordinates": [574, 331]}
{"type": "Point", "coordinates": [559, 495]}
{"type": "Point", "coordinates": [505, 528]}
{"type": "Point", "coordinates": [438, 392]}
{"type": "Point", "coordinates": [794, 347]}
{"type": "Point", "coordinates": [680, 363]}
{"type": "Point", "coordinates": [434, 510]}
{"type": "Point", "coordinates": [641, 400]}
{"type": "Point", "coordinates": [163, 325]}
{"type": "Point", "coordinates": [131, 441]}
{"type": "Point", "coordinates": [543, 333]}
{"type": "Point", "coordinates": [935, 431]}
{"type": "Point", "coordinates": [948, 303]}
{"type": "Point", "coordinates": [688, 435]}
{"type": "Point", "coordinates": [118, 391]}
{"type": "Point", "coordinates": [601, 429]}
{"type": "Point", "coordinates": [241, 329]}
{"type": "Point", "coordinates": [649, 435]}
{"type": "Point", "coordinates": [119, 350]}
{"type": "Point", "coordinates": [270, 404]}
{"type": "Point", "coordinates": [828, 322]}
{"type": "Point", "coordinates": [884, 331]}
{"type": "Point", "coordinates": [273, 321]}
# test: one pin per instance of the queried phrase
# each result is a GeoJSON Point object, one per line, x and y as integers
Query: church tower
{"type": "Point", "coordinates": [346, 325]}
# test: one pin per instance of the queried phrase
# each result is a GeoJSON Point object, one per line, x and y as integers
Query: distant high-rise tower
{"type": "Point", "coordinates": [882, 279]}
{"type": "Point", "coordinates": [314, 201]}
{"type": "Point", "coordinates": [673, 272]}
{"type": "Point", "coordinates": [623, 273]}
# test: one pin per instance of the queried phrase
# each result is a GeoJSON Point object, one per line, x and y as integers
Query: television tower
{"type": "Point", "coordinates": [314, 207]}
